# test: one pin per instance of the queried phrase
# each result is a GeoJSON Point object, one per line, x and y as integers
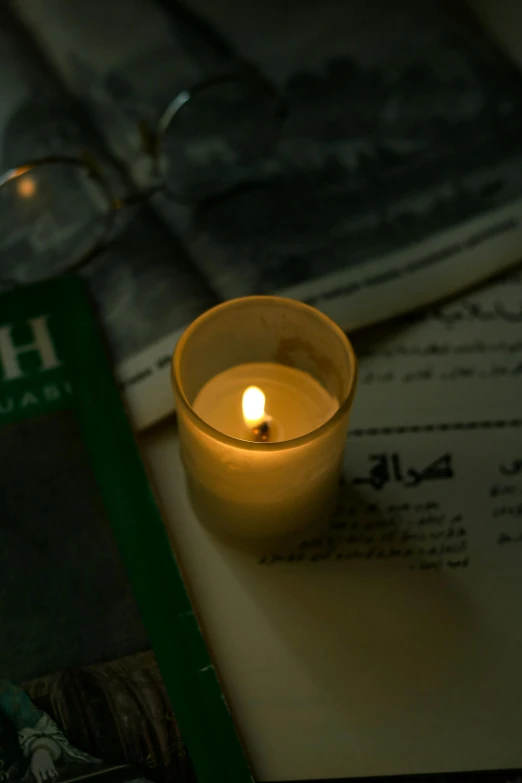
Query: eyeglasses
{"type": "Point", "coordinates": [58, 212]}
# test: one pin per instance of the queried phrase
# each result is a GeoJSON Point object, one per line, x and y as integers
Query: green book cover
{"type": "Point", "coordinates": [104, 673]}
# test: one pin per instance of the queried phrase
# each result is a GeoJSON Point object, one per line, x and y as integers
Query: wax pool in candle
{"type": "Point", "coordinates": [295, 402]}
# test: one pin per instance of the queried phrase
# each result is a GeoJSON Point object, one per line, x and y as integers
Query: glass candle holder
{"type": "Point", "coordinates": [271, 474]}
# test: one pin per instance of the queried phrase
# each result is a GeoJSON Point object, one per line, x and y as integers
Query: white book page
{"type": "Point", "coordinates": [391, 645]}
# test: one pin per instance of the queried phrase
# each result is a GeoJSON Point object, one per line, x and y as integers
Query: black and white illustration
{"type": "Point", "coordinates": [403, 121]}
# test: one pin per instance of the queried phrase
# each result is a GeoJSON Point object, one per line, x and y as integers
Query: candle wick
{"type": "Point", "coordinates": [261, 432]}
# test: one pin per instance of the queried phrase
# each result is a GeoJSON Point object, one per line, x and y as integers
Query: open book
{"type": "Point", "coordinates": [396, 178]}
{"type": "Point", "coordinates": [390, 644]}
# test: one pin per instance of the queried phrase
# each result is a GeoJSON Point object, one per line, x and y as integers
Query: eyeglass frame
{"type": "Point", "coordinates": [151, 142]}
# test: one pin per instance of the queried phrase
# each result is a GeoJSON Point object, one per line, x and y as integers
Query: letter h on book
{"type": "Point", "coordinates": [40, 343]}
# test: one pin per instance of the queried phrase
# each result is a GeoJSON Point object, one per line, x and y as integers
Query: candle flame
{"type": "Point", "coordinates": [253, 406]}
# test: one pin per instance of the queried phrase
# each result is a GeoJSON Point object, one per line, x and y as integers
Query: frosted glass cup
{"type": "Point", "coordinates": [263, 493]}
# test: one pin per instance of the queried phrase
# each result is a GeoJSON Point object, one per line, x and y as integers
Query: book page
{"type": "Point", "coordinates": [395, 180]}
{"type": "Point", "coordinates": [391, 644]}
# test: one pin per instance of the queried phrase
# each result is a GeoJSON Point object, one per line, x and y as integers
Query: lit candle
{"type": "Point", "coordinates": [263, 387]}
{"type": "Point", "coordinates": [296, 403]}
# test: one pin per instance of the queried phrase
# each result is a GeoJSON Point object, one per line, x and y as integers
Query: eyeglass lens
{"type": "Point", "coordinates": [218, 138]}
{"type": "Point", "coordinates": [51, 217]}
